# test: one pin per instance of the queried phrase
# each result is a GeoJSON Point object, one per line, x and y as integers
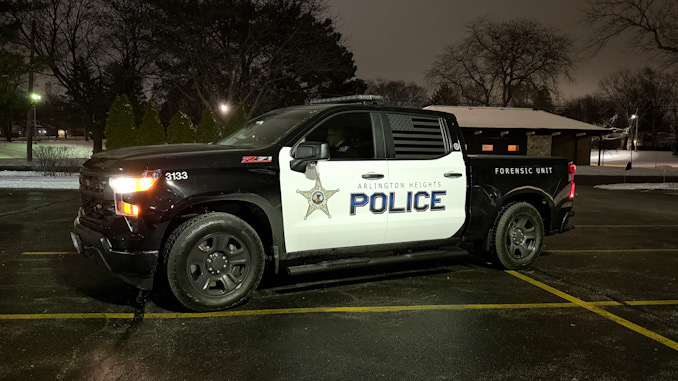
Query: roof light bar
{"type": "Point", "coordinates": [349, 99]}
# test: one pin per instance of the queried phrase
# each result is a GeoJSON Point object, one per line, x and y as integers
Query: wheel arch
{"type": "Point", "coordinates": [251, 208]}
{"type": "Point", "coordinates": [536, 197]}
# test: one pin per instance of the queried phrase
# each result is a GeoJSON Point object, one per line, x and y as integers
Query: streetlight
{"type": "Point", "coordinates": [635, 135]}
{"type": "Point", "coordinates": [224, 108]}
{"type": "Point", "coordinates": [31, 129]}
{"type": "Point", "coordinates": [634, 142]}
{"type": "Point", "coordinates": [34, 100]}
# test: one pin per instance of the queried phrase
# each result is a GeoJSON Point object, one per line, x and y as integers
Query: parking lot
{"type": "Point", "coordinates": [601, 303]}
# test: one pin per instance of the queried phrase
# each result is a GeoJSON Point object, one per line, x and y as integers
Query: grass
{"type": "Point", "coordinates": [75, 148]}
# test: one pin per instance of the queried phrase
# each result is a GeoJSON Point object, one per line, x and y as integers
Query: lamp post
{"type": "Point", "coordinates": [634, 142]}
{"type": "Point", "coordinates": [223, 108]}
{"type": "Point", "coordinates": [30, 128]}
{"type": "Point", "coordinates": [635, 135]}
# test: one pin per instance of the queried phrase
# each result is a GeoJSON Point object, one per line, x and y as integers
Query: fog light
{"type": "Point", "coordinates": [123, 208]}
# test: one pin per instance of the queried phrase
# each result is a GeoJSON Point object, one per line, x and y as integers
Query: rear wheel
{"type": "Point", "coordinates": [214, 261]}
{"type": "Point", "coordinates": [518, 235]}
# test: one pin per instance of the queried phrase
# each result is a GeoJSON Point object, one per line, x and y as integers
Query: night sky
{"type": "Point", "coordinates": [400, 39]}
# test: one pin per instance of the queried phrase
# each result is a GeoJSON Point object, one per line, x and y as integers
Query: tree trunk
{"type": "Point", "coordinates": [98, 139]}
{"type": "Point", "coordinates": [7, 129]}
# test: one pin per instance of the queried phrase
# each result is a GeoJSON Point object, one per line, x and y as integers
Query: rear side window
{"type": "Point", "coordinates": [417, 137]}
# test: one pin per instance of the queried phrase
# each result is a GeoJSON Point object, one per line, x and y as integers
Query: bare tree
{"type": "Point", "coordinates": [13, 70]}
{"type": "Point", "coordinates": [497, 58]}
{"type": "Point", "coordinates": [70, 41]}
{"type": "Point", "coordinates": [647, 93]}
{"type": "Point", "coordinates": [592, 108]}
{"type": "Point", "coordinates": [95, 49]}
{"type": "Point", "coordinates": [673, 119]}
{"type": "Point", "coordinates": [252, 52]}
{"type": "Point", "coordinates": [130, 56]}
{"type": "Point", "coordinates": [652, 25]}
{"type": "Point", "coordinates": [398, 93]}
{"type": "Point", "coordinates": [445, 95]}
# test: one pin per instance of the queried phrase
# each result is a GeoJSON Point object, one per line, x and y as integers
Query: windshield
{"type": "Point", "coordinates": [267, 129]}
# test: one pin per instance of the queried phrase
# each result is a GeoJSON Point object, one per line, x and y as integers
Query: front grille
{"type": "Point", "coordinates": [98, 208]}
{"type": "Point", "coordinates": [97, 202]}
{"type": "Point", "coordinates": [92, 183]}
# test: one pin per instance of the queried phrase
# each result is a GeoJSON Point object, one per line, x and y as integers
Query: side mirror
{"type": "Point", "coordinates": [308, 152]}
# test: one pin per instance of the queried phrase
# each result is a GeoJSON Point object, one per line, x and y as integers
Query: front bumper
{"type": "Point", "coordinates": [134, 267]}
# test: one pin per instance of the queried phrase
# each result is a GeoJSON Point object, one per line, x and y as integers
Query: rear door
{"type": "Point", "coordinates": [427, 176]}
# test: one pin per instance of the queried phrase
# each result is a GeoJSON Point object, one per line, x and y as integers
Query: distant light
{"type": "Point", "coordinates": [634, 116]}
{"type": "Point", "coordinates": [223, 107]}
{"type": "Point", "coordinates": [35, 97]}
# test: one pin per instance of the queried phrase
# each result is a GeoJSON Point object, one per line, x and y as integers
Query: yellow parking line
{"type": "Point", "coordinates": [593, 308]}
{"type": "Point", "coordinates": [626, 226]}
{"type": "Point", "coordinates": [291, 311]}
{"type": "Point", "coordinates": [375, 309]}
{"type": "Point", "coordinates": [283, 311]}
{"type": "Point", "coordinates": [48, 252]}
{"type": "Point", "coordinates": [652, 302]}
{"type": "Point", "coordinates": [614, 251]}
{"type": "Point", "coordinates": [66, 316]}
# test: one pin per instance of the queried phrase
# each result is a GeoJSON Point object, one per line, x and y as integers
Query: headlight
{"type": "Point", "coordinates": [122, 185]}
{"type": "Point", "coordinates": [134, 184]}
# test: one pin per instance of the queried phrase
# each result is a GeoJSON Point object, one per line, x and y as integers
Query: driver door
{"type": "Point", "coordinates": [327, 206]}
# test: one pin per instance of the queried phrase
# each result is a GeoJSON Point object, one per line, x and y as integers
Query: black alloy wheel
{"type": "Point", "coordinates": [518, 235]}
{"type": "Point", "coordinates": [214, 261]}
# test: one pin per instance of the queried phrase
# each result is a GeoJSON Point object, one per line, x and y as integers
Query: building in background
{"type": "Point", "coordinates": [523, 131]}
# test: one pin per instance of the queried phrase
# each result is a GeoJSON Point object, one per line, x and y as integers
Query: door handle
{"type": "Point", "coordinates": [453, 175]}
{"type": "Point", "coordinates": [373, 176]}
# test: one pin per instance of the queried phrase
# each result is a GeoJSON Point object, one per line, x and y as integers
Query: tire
{"type": "Point", "coordinates": [213, 261]}
{"type": "Point", "coordinates": [517, 236]}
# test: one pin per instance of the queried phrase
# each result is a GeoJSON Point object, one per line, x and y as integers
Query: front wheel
{"type": "Point", "coordinates": [517, 235]}
{"type": "Point", "coordinates": [214, 261]}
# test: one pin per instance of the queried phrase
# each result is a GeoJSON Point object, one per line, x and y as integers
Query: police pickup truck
{"type": "Point", "coordinates": [310, 188]}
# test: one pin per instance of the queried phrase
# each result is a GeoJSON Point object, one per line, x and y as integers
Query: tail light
{"type": "Point", "coordinates": [571, 169]}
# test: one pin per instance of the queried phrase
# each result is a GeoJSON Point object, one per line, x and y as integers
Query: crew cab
{"type": "Point", "coordinates": [311, 188]}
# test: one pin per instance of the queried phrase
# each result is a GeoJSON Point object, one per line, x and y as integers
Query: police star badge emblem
{"type": "Point", "coordinates": [317, 198]}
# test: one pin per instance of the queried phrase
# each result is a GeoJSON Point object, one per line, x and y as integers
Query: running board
{"type": "Point", "coordinates": [341, 264]}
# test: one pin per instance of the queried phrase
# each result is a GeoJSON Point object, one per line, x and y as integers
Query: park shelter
{"type": "Point", "coordinates": [523, 131]}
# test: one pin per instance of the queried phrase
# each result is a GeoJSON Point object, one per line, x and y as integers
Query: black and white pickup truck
{"type": "Point", "coordinates": [310, 188]}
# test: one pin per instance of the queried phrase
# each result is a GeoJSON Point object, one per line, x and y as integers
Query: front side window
{"type": "Point", "coordinates": [348, 135]}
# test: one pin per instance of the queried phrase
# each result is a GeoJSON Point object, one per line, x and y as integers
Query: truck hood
{"type": "Point", "coordinates": [170, 156]}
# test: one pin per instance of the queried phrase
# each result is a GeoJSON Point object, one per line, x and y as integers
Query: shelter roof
{"type": "Point", "coordinates": [514, 118]}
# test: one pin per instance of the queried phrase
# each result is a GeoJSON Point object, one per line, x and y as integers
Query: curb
{"type": "Point", "coordinates": [612, 179]}
{"type": "Point", "coordinates": [23, 168]}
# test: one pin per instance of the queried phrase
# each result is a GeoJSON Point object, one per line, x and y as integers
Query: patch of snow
{"type": "Point", "coordinates": [639, 186]}
{"type": "Point", "coordinates": [38, 180]}
{"type": "Point", "coordinates": [646, 159]}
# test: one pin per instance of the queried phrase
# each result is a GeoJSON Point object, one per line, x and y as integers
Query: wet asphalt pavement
{"type": "Point", "coordinates": [601, 303]}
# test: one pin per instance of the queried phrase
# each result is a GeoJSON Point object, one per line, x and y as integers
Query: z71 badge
{"type": "Point", "coordinates": [256, 159]}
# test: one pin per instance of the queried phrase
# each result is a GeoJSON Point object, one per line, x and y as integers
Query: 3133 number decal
{"type": "Point", "coordinates": [176, 176]}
